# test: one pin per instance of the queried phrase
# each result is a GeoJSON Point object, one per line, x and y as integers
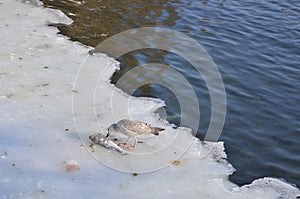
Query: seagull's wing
{"type": "Point", "coordinates": [134, 127]}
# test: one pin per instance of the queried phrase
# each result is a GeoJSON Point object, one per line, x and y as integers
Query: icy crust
{"type": "Point", "coordinates": [32, 2]}
{"type": "Point", "coordinates": [265, 185]}
{"type": "Point", "coordinates": [41, 155]}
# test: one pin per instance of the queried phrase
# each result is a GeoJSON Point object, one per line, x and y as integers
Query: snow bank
{"type": "Point", "coordinates": [41, 155]}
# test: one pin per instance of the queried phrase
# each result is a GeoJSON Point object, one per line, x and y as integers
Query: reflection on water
{"type": "Point", "coordinates": [254, 44]}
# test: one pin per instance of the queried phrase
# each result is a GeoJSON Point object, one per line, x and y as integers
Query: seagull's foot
{"type": "Point", "coordinates": [122, 144]}
{"type": "Point", "coordinates": [131, 147]}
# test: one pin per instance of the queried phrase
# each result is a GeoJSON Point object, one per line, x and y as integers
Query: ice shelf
{"type": "Point", "coordinates": [44, 150]}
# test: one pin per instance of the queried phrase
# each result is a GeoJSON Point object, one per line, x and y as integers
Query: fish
{"type": "Point", "coordinates": [133, 128]}
{"type": "Point", "coordinates": [103, 141]}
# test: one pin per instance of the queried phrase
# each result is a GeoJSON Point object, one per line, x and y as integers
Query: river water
{"type": "Point", "coordinates": [256, 47]}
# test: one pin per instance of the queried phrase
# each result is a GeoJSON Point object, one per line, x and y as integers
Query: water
{"type": "Point", "coordinates": [256, 46]}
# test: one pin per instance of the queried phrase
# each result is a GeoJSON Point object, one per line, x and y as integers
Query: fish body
{"type": "Point", "coordinates": [107, 143]}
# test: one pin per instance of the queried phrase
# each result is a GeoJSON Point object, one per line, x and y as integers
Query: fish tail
{"type": "Point", "coordinates": [156, 130]}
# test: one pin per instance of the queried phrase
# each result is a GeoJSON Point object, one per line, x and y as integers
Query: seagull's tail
{"type": "Point", "coordinates": [156, 130]}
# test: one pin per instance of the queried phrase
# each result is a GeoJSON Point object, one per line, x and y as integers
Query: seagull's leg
{"type": "Point", "coordinates": [134, 146]}
{"type": "Point", "coordinates": [125, 143]}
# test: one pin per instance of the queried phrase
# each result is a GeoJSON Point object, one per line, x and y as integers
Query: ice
{"type": "Point", "coordinates": [41, 153]}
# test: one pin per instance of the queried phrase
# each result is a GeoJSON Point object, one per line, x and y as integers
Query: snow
{"type": "Point", "coordinates": [48, 111]}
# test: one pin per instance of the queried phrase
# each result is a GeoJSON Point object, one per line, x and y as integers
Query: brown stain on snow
{"type": "Point", "coordinates": [71, 167]}
{"type": "Point", "coordinates": [176, 162]}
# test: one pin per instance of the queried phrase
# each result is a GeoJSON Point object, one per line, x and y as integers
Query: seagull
{"type": "Point", "coordinates": [132, 128]}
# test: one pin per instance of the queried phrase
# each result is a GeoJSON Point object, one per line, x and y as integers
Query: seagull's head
{"type": "Point", "coordinates": [112, 129]}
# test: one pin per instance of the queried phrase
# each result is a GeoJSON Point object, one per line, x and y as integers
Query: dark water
{"type": "Point", "coordinates": [256, 46]}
